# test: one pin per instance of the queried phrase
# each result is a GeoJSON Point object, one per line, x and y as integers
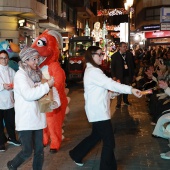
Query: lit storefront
{"type": "Point", "coordinates": [26, 32]}
{"type": "Point", "coordinates": [157, 38]}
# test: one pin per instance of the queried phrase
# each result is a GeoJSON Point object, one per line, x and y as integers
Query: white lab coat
{"type": "Point", "coordinates": [6, 96]}
{"type": "Point", "coordinates": [27, 114]}
{"type": "Point", "coordinates": [96, 86]}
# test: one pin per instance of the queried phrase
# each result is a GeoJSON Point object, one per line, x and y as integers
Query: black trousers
{"type": "Point", "coordinates": [101, 130]}
{"type": "Point", "coordinates": [156, 107]}
{"type": "Point", "coordinates": [9, 118]}
{"type": "Point", "coordinates": [125, 96]}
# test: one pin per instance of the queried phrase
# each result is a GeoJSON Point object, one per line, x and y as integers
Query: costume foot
{"type": "Point", "coordinates": [45, 145]}
{"type": "Point", "coordinates": [53, 150]}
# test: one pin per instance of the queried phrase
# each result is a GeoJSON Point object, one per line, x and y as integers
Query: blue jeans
{"type": "Point", "coordinates": [30, 140]}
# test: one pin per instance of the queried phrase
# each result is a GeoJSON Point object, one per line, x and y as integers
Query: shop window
{"type": "Point", "coordinates": [152, 14]}
{"type": "Point", "coordinates": [70, 15]}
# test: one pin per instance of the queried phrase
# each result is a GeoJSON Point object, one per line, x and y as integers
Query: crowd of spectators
{"type": "Point", "coordinates": [153, 72]}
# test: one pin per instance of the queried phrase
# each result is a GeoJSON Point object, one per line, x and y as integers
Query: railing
{"type": "Point", "coordinates": [60, 20]}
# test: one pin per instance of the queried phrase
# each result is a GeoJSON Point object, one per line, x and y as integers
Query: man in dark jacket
{"type": "Point", "coordinates": [122, 70]}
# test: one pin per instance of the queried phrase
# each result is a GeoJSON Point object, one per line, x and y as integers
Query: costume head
{"type": "Point", "coordinates": [12, 48]}
{"type": "Point", "coordinates": [48, 44]}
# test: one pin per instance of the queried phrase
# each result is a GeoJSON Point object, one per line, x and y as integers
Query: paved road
{"type": "Point", "coordinates": [135, 148]}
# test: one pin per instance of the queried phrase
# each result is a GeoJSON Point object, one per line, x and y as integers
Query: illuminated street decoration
{"type": "Point", "coordinates": [113, 27]}
{"type": "Point", "coordinates": [115, 34]}
{"type": "Point", "coordinates": [112, 12]}
{"type": "Point", "coordinates": [87, 30]}
{"type": "Point", "coordinates": [124, 32]}
{"type": "Point", "coordinates": [104, 31]}
{"type": "Point", "coordinates": [96, 32]}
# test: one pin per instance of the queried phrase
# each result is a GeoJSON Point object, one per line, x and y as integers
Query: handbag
{"type": "Point", "coordinates": [46, 101]}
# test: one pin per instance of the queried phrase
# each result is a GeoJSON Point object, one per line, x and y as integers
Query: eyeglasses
{"type": "Point", "coordinates": [5, 58]}
{"type": "Point", "coordinates": [34, 59]}
{"type": "Point", "coordinates": [101, 54]}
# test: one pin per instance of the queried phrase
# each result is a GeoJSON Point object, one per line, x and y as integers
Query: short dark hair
{"type": "Point", "coordinates": [121, 43]}
{"type": "Point", "coordinates": [89, 54]}
{"type": "Point", "coordinates": [5, 52]}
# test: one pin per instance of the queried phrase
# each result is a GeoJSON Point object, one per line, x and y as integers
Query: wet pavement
{"type": "Point", "coordinates": [135, 148]}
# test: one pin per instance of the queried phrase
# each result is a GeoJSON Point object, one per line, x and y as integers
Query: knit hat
{"type": "Point", "coordinates": [27, 52]}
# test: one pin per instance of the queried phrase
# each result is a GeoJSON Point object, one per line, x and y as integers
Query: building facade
{"type": "Point", "coordinates": [21, 21]}
{"type": "Point", "coordinates": [148, 22]}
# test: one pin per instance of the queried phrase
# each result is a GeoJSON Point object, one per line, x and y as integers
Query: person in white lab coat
{"type": "Point", "coordinates": [30, 122]}
{"type": "Point", "coordinates": [7, 113]}
{"type": "Point", "coordinates": [96, 93]}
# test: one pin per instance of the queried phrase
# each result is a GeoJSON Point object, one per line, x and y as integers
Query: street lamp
{"type": "Point", "coordinates": [128, 4]}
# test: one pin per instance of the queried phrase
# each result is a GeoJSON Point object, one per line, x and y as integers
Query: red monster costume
{"type": "Point", "coordinates": [48, 44]}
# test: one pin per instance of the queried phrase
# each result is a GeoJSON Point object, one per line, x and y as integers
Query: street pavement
{"type": "Point", "coordinates": [135, 148]}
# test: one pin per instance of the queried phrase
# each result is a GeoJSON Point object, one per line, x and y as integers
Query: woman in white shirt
{"type": "Point", "coordinates": [97, 107]}
{"type": "Point", "coordinates": [30, 122]}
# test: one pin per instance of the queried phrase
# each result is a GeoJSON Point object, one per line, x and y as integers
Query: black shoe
{"type": "Point", "coordinates": [154, 136]}
{"type": "Point", "coordinates": [10, 167]}
{"type": "Point", "coordinates": [127, 104]}
{"type": "Point", "coordinates": [13, 142]}
{"type": "Point", "coordinates": [78, 163]}
{"type": "Point", "coordinates": [118, 106]}
{"type": "Point", "coordinates": [2, 148]}
{"type": "Point", "coordinates": [53, 150]}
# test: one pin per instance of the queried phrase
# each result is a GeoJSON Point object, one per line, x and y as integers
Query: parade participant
{"type": "Point", "coordinates": [49, 44]}
{"type": "Point", "coordinates": [7, 113]}
{"type": "Point", "coordinates": [28, 119]}
{"type": "Point", "coordinates": [97, 106]}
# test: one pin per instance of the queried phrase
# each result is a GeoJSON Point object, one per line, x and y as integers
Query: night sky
{"type": "Point", "coordinates": [112, 4]}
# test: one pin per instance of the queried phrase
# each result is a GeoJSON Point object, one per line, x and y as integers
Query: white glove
{"type": "Point", "coordinates": [136, 92]}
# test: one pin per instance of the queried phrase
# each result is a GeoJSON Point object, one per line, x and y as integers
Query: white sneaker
{"type": "Point", "coordinates": [163, 156]}
{"type": "Point", "coordinates": [79, 164]}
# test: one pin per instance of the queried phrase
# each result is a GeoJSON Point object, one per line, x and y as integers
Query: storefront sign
{"type": "Point", "coordinates": [165, 26]}
{"type": "Point", "coordinates": [23, 23]}
{"type": "Point", "coordinates": [150, 27]}
{"type": "Point", "coordinates": [159, 40]}
{"type": "Point", "coordinates": [155, 34]}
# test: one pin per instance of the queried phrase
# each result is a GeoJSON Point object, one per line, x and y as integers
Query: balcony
{"type": "Point", "coordinates": [84, 12]}
{"type": "Point", "coordinates": [53, 22]}
{"type": "Point", "coordinates": [24, 9]}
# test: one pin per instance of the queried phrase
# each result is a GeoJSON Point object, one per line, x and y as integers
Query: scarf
{"type": "Point", "coordinates": [34, 75]}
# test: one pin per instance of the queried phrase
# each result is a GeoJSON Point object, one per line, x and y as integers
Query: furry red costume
{"type": "Point", "coordinates": [48, 44]}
